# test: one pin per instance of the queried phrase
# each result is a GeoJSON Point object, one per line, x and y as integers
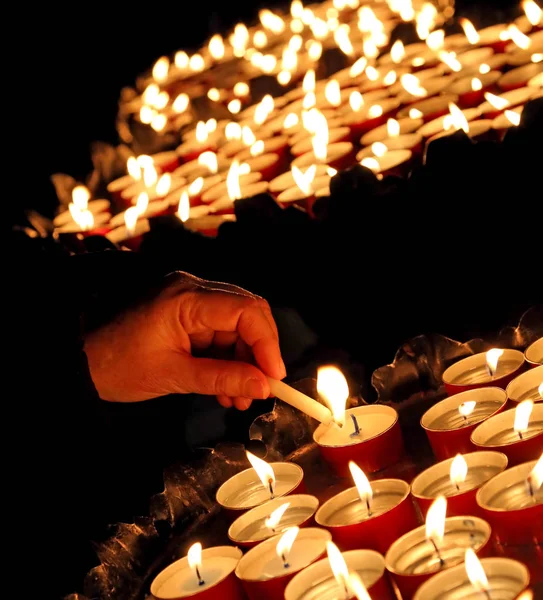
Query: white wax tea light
{"type": "Point", "coordinates": [528, 386]}
{"type": "Point", "coordinates": [522, 423]}
{"type": "Point", "coordinates": [483, 368]}
{"type": "Point", "coordinates": [534, 353]}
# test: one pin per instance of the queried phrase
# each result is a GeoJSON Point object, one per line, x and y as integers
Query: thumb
{"type": "Point", "coordinates": [222, 377]}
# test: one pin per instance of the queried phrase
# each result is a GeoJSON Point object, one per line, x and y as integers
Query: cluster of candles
{"type": "Point", "coordinates": [381, 110]}
{"type": "Point", "coordinates": [367, 541]}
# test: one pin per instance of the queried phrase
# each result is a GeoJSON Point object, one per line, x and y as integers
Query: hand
{"type": "Point", "coordinates": [163, 347]}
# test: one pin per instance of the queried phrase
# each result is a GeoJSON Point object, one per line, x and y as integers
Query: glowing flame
{"type": "Point", "coordinates": [393, 128]}
{"type": "Point", "coordinates": [271, 21]}
{"type": "Point", "coordinates": [459, 470]}
{"type": "Point", "coordinates": [426, 20]}
{"type": "Point", "coordinates": [257, 148]}
{"type": "Point", "coordinates": [158, 122]}
{"type": "Point", "coordinates": [484, 68]}
{"type": "Point", "coordinates": [194, 558]}
{"type": "Point", "coordinates": [150, 94]}
{"type": "Point", "coordinates": [320, 148]}
{"type": "Point", "coordinates": [284, 77]}
{"type": "Point", "coordinates": [232, 181]}
{"type": "Point", "coordinates": [356, 101]}
{"type": "Point", "coordinates": [492, 358]}
{"type": "Point", "coordinates": [295, 42]}
{"type": "Point", "coordinates": [518, 38]}
{"type": "Point", "coordinates": [370, 163]}
{"type": "Point", "coordinates": [232, 131]}
{"type": "Point", "coordinates": [362, 483]}
{"type": "Point", "coordinates": [512, 117]}
{"type": "Point", "coordinates": [146, 114]}
{"type": "Point", "coordinates": [314, 50]}
{"type": "Point", "coordinates": [183, 210]}
{"type": "Point", "coordinates": [164, 184]}
{"type": "Point", "coordinates": [527, 595]}
{"type": "Point", "coordinates": [333, 387]}
{"type": "Point", "coordinates": [133, 168]}
{"type": "Point", "coordinates": [201, 132]}
{"type": "Point", "coordinates": [411, 85]}
{"type": "Point", "coordinates": [358, 67]}
{"type": "Point", "coordinates": [150, 176]}
{"type": "Point", "coordinates": [540, 390]}
{"type": "Point", "coordinates": [331, 171]}
{"type": "Point", "coordinates": [273, 520]}
{"type": "Point", "coordinates": [458, 120]}
{"type": "Point", "coordinates": [375, 111]}
{"type": "Point", "coordinates": [338, 565]}
{"type": "Point", "coordinates": [522, 416]}
{"type": "Point", "coordinates": [341, 37]}
{"type": "Point", "coordinates": [296, 9]}
{"type": "Point", "coordinates": [397, 52]}
{"type": "Point", "coordinates": [197, 63]}
{"type": "Point", "coordinates": [415, 113]}
{"type": "Point", "coordinates": [80, 197]}
{"type": "Point", "coordinates": [466, 408]}
{"type": "Point", "coordinates": [358, 588]}
{"type": "Point", "coordinates": [436, 40]}
{"type": "Point", "coordinates": [332, 93]}
{"type": "Point", "coordinates": [495, 101]}
{"type": "Point", "coordinates": [142, 202]}
{"type": "Point", "coordinates": [435, 520]}
{"type": "Point", "coordinates": [372, 73]}
{"type": "Point", "coordinates": [537, 57]}
{"type": "Point", "coordinates": [260, 39]}
{"type": "Point", "coordinates": [532, 11]}
{"type": "Point", "coordinates": [304, 180]}
{"type": "Point", "coordinates": [291, 120]}
{"type": "Point", "coordinates": [213, 94]}
{"type": "Point", "coordinates": [161, 100]}
{"type": "Point", "coordinates": [476, 84]}
{"type": "Point", "coordinates": [370, 49]}
{"type": "Point", "coordinates": [247, 136]}
{"type": "Point", "coordinates": [196, 186]}
{"type": "Point", "coordinates": [469, 31]}
{"type": "Point", "coordinates": [379, 149]}
{"type": "Point", "coordinates": [244, 168]}
{"type": "Point", "coordinates": [285, 542]}
{"type": "Point", "coordinates": [536, 475]}
{"type": "Point", "coordinates": [161, 69]}
{"type": "Point", "coordinates": [216, 47]}
{"type": "Point", "coordinates": [131, 216]}
{"type": "Point", "coordinates": [449, 58]}
{"type": "Point", "coordinates": [234, 106]}
{"type": "Point", "coordinates": [208, 159]}
{"type": "Point", "coordinates": [309, 101]}
{"type": "Point", "coordinates": [475, 571]}
{"type": "Point", "coordinates": [181, 103]}
{"type": "Point", "coordinates": [181, 60]}
{"type": "Point", "coordinates": [390, 78]}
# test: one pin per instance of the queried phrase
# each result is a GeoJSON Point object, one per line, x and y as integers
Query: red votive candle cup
{"type": "Point", "coordinates": [448, 431]}
{"type": "Point", "coordinates": [347, 519]}
{"type": "Point", "coordinates": [526, 387]}
{"type": "Point", "coordinates": [516, 516]}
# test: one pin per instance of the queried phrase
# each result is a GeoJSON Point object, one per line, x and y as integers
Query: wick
{"type": "Point", "coordinates": [457, 486]}
{"type": "Point", "coordinates": [368, 506]}
{"type": "Point", "coordinates": [487, 594]}
{"type": "Point", "coordinates": [490, 372]}
{"type": "Point", "coordinates": [200, 580]}
{"type": "Point", "coordinates": [272, 493]}
{"type": "Point", "coordinates": [441, 561]}
{"type": "Point", "coordinates": [530, 487]}
{"type": "Point", "coordinates": [465, 419]}
{"type": "Point", "coordinates": [520, 434]}
{"type": "Point", "coordinates": [285, 562]}
{"type": "Point", "coordinates": [356, 426]}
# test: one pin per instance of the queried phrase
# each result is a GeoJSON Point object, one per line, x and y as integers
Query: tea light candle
{"type": "Point", "coordinates": [97, 224]}
{"type": "Point", "coordinates": [337, 134]}
{"type": "Point", "coordinates": [338, 156]}
{"type": "Point", "coordinates": [474, 57]}
{"type": "Point", "coordinates": [220, 189]}
{"type": "Point", "coordinates": [286, 180]}
{"type": "Point", "coordinates": [374, 115]}
{"type": "Point", "coordinates": [268, 165]}
{"type": "Point", "coordinates": [225, 203]}
{"type": "Point", "coordinates": [372, 515]}
{"type": "Point", "coordinates": [202, 167]}
{"type": "Point", "coordinates": [390, 129]}
{"type": "Point", "coordinates": [210, 577]}
{"type": "Point", "coordinates": [393, 162]}
{"type": "Point", "coordinates": [130, 237]}
{"type": "Point", "coordinates": [496, 367]}
{"type": "Point", "coordinates": [528, 386]}
{"type": "Point", "coordinates": [165, 162]}
{"type": "Point", "coordinates": [272, 518]}
{"type": "Point", "coordinates": [494, 37]}
{"type": "Point", "coordinates": [273, 145]}
{"type": "Point", "coordinates": [519, 77]}
{"type": "Point", "coordinates": [438, 125]}
{"type": "Point", "coordinates": [303, 198]}
{"type": "Point", "coordinates": [509, 118]}
{"type": "Point", "coordinates": [534, 353]}
{"type": "Point", "coordinates": [518, 432]}
{"type": "Point", "coordinates": [512, 502]}
{"type": "Point", "coordinates": [421, 553]}
{"type": "Point", "coordinates": [266, 569]}
{"type": "Point", "coordinates": [471, 89]}
{"type": "Point", "coordinates": [94, 206]}
{"type": "Point", "coordinates": [495, 105]}
{"type": "Point", "coordinates": [408, 141]}
{"type": "Point", "coordinates": [319, 581]}
{"type": "Point", "coordinates": [458, 479]}
{"type": "Point", "coordinates": [506, 579]}
{"type": "Point", "coordinates": [425, 89]}
{"type": "Point", "coordinates": [450, 423]}
{"type": "Point", "coordinates": [152, 208]}
{"type": "Point", "coordinates": [476, 130]}
{"type": "Point", "coordinates": [428, 109]}
{"type": "Point", "coordinates": [246, 490]}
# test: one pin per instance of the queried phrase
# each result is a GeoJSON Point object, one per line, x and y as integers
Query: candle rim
{"type": "Point", "coordinates": [509, 353]}
{"type": "Point", "coordinates": [445, 99]}
{"type": "Point", "coordinates": [345, 147]}
{"type": "Point", "coordinates": [100, 219]}
{"type": "Point", "coordinates": [140, 224]}
{"type": "Point", "coordinates": [375, 134]}
{"type": "Point", "coordinates": [530, 349]}
{"type": "Point", "coordinates": [480, 443]}
{"type": "Point", "coordinates": [523, 379]}
{"type": "Point", "coordinates": [182, 563]}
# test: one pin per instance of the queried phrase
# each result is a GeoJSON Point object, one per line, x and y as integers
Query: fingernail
{"type": "Point", "coordinates": [253, 388]}
{"type": "Point", "coordinates": [243, 404]}
{"type": "Point", "coordinates": [283, 369]}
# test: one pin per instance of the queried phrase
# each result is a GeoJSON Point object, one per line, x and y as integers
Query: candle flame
{"type": "Point", "coordinates": [484, 68]}
{"type": "Point", "coordinates": [216, 47]}
{"type": "Point", "coordinates": [372, 73]}
{"type": "Point", "coordinates": [527, 595]}
{"type": "Point", "coordinates": [232, 131]}
{"type": "Point", "coordinates": [475, 571]}
{"type": "Point", "coordinates": [536, 475]}
{"type": "Point", "coordinates": [197, 63]}
{"type": "Point", "coordinates": [522, 416]}
{"type": "Point", "coordinates": [271, 21]}
{"type": "Point", "coordinates": [161, 69]}
{"type": "Point", "coordinates": [161, 100]}
{"type": "Point", "coordinates": [476, 84]}
{"type": "Point", "coordinates": [81, 196]}
{"type": "Point", "coordinates": [308, 83]}
{"type": "Point", "coordinates": [309, 100]}
{"type": "Point", "coordinates": [375, 111]}
{"type": "Point", "coordinates": [131, 216]}
{"type": "Point", "coordinates": [415, 113]}
{"type": "Point", "coordinates": [150, 176]}
{"type": "Point", "coordinates": [208, 159]}
{"type": "Point", "coordinates": [244, 169]}
{"type": "Point", "coordinates": [331, 171]}
{"type": "Point", "coordinates": [361, 482]}
{"type": "Point", "coordinates": [518, 38]}
{"type": "Point", "coordinates": [379, 149]}
{"type": "Point", "coordinates": [358, 67]}
{"type": "Point", "coordinates": [183, 210]}
{"type": "Point", "coordinates": [532, 11]}
{"type": "Point", "coordinates": [263, 109]}
{"type": "Point", "coordinates": [164, 184]}
{"type": "Point", "coordinates": [196, 186]}
{"type": "Point", "coordinates": [458, 121]}
{"type": "Point", "coordinates": [436, 40]}
{"type": "Point", "coordinates": [257, 148]}
{"type": "Point", "coordinates": [513, 117]}
{"type": "Point", "coordinates": [194, 557]}
{"type": "Point", "coordinates": [332, 93]}
{"type": "Point", "coordinates": [291, 120]}
{"type": "Point", "coordinates": [426, 20]}
{"type": "Point", "coordinates": [358, 588]}
{"type": "Point", "coordinates": [201, 132]}
{"type": "Point", "coordinates": [492, 358]}
{"type": "Point", "coordinates": [146, 114]}
{"type": "Point", "coordinates": [356, 101]}
{"type": "Point", "coordinates": [145, 161]}
{"type": "Point", "coordinates": [150, 93]}
{"type": "Point", "coordinates": [393, 128]}
{"type": "Point", "coordinates": [263, 470]}
{"type": "Point", "coordinates": [449, 58]}
{"type": "Point", "coordinates": [304, 180]}
{"type": "Point", "coordinates": [397, 52]}
{"type": "Point", "coordinates": [181, 59]}
{"type": "Point", "coordinates": [133, 168]}
{"type": "Point", "coordinates": [459, 470]}
{"type": "Point", "coordinates": [435, 520]}
{"type": "Point", "coordinates": [211, 125]}
{"type": "Point", "coordinates": [247, 136]}
{"type": "Point", "coordinates": [142, 202]}
{"type": "Point", "coordinates": [234, 106]}
{"type": "Point", "coordinates": [370, 163]}
{"type": "Point", "coordinates": [333, 387]}
{"type": "Point", "coordinates": [232, 181]}
{"type": "Point", "coordinates": [540, 390]}
{"type": "Point", "coordinates": [273, 520]}
{"type": "Point", "coordinates": [537, 57]}
{"type": "Point", "coordinates": [158, 122]}
{"type": "Point", "coordinates": [469, 31]}
{"type": "Point", "coordinates": [213, 94]}
{"type": "Point", "coordinates": [339, 566]}
{"type": "Point", "coordinates": [496, 101]}
{"type": "Point", "coordinates": [411, 85]}
{"type": "Point", "coordinates": [285, 543]}
{"type": "Point", "coordinates": [466, 408]}
{"type": "Point", "coordinates": [390, 78]}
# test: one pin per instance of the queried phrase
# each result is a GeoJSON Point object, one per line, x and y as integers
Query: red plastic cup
{"type": "Point", "coordinates": [354, 530]}
{"type": "Point", "coordinates": [534, 353]}
{"type": "Point", "coordinates": [448, 433]}
{"type": "Point", "coordinates": [525, 387]}
{"type": "Point", "coordinates": [516, 518]}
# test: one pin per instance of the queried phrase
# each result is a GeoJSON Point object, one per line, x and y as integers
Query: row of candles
{"type": "Point", "coordinates": [389, 106]}
{"type": "Point", "coordinates": [487, 487]}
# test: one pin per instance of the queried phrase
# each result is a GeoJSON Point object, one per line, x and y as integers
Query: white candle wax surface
{"type": "Point", "coordinates": [526, 386]}
{"type": "Point", "coordinates": [506, 578]}
{"type": "Point", "coordinates": [474, 369]}
{"type": "Point", "coordinates": [245, 490]}
{"type": "Point", "coordinates": [286, 180]}
{"type": "Point", "coordinates": [153, 208]}
{"type": "Point", "coordinates": [262, 562]}
{"type": "Point", "coordinates": [373, 420]}
{"type": "Point", "coordinates": [247, 191]}
{"type": "Point", "coordinates": [534, 352]}
{"type": "Point", "coordinates": [475, 129]}
{"type": "Point", "coordinates": [429, 106]}
{"type": "Point", "coordinates": [100, 220]}
{"type": "Point", "coordinates": [437, 125]}
{"type": "Point", "coordinates": [94, 206]}
{"type": "Point", "coordinates": [336, 152]}
{"type": "Point", "coordinates": [498, 430]}
{"type": "Point", "coordinates": [121, 234]}
{"type": "Point", "coordinates": [413, 554]}
{"type": "Point", "coordinates": [179, 580]}
{"type": "Point", "coordinates": [346, 508]}
{"type": "Point", "coordinates": [407, 125]}
{"type": "Point", "coordinates": [220, 189]}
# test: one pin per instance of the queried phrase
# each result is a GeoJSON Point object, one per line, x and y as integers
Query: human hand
{"type": "Point", "coordinates": [169, 346]}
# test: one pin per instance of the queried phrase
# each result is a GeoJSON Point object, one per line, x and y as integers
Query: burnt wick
{"type": "Point", "coordinates": [441, 561]}
{"type": "Point", "coordinates": [356, 431]}
{"type": "Point", "coordinates": [200, 580]}
{"type": "Point", "coordinates": [272, 493]}
{"type": "Point", "coordinates": [285, 561]}
{"type": "Point", "coordinates": [368, 506]}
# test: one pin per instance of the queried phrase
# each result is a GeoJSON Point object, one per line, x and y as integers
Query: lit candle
{"type": "Point", "coordinates": [130, 234]}
{"type": "Point", "coordinates": [81, 202]}
{"type": "Point", "coordinates": [267, 568]}
{"type": "Point", "coordinates": [508, 119]}
{"type": "Point", "coordinates": [134, 173]}
{"type": "Point", "coordinates": [444, 123]}
{"type": "Point", "coordinates": [528, 386]}
{"type": "Point", "coordinates": [337, 134]}
{"type": "Point", "coordinates": [204, 575]}
{"type": "Point", "coordinates": [519, 77]}
{"type": "Point", "coordinates": [495, 105]}
{"type": "Point", "coordinates": [390, 162]}
{"type": "Point", "coordinates": [438, 545]}
{"type": "Point", "coordinates": [370, 116]}
{"type": "Point", "coordinates": [271, 518]}
{"type": "Point", "coordinates": [145, 209]}
{"type": "Point", "coordinates": [84, 222]}
{"type": "Point", "coordinates": [223, 195]}
{"type": "Point", "coordinates": [474, 129]}
{"type": "Point", "coordinates": [450, 423]}
{"type": "Point", "coordinates": [471, 89]}
{"type": "Point", "coordinates": [512, 502]}
{"type": "Point", "coordinates": [286, 180]}
{"type": "Point", "coordinates": [372, 515]}
{"type": "Point", "coordinates": [490, 579]}
{"type": "Point", "coordinates": [428, 109]}
{"type": "Point", "coordinates": [337, 155]}
{"type": "Point", "coordinates": [534, 353]}
{"type": "Point", "coordinates": [391, 129]}
{"type": "Point", "coordinates": [496, 367]}
{"type": "Point", "coordinates": [458, 479]}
